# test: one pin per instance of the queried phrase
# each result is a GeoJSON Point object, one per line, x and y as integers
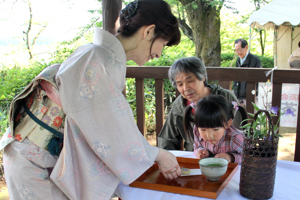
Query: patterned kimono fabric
{"type": "Point", "coordinates": [102, 144]}
{"type": "Point", "coordinates": [25, 157]}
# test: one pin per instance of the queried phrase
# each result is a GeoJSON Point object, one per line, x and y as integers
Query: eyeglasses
{"type": "Point", "coordinates": [238, 50]}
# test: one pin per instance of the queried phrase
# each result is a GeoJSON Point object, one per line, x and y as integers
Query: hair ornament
{"type": "Point", "coordinates": [129, 11]}
{"type": "Point", "coordinates": [235, 105]}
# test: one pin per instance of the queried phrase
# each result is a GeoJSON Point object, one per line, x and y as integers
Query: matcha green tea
{"type": "Point", "coordinates": [214, 165]}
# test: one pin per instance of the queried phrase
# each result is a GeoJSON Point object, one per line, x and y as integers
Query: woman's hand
{"type": "Point", "coordinates": [168, 164]}
{"type": "Point", "coordinates": [226, 156]}
{"type": "Point", "coordinates": [202, 153]}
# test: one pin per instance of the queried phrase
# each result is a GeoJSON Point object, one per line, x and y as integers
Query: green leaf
{"type": "Point", "coordinates": [255, 106]}
{"type": "Point", "coordinates": [246, 120]}
{"type": "Point", "coordinates": [263, 119]}
{"type": "Point", "coordinates": [255, 134]}
{"type": "Point", "coordinates": [246, 126]}
{"type": "Point", "coordinates": [254, 125]}
{"type": "Point", "coordinates": [251, 115]}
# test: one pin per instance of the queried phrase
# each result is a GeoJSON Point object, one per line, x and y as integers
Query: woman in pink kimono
{"type": "Point", "coordinates": [102, 144]}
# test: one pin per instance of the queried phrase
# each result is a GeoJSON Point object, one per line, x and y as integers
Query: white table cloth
{"type": "Point", "coordinates": [287, 185]}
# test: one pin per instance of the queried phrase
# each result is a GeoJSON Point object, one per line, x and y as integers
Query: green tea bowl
{"type": "Point", "coordinates": [213, 168]}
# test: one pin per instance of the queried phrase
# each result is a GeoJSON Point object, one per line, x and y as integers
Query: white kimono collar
{"type": "Point", "coordinates": [107, 40]}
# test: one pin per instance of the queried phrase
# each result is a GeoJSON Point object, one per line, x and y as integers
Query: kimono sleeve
{"type": "Point", "coordinates": [90, 85]}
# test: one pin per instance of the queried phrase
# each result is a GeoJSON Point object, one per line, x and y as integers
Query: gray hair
{"type": "Point", "coordinates": [188, 65]}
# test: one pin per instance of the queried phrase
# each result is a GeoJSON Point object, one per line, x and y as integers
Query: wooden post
{"type": "Point", "coordinates": [140, 104]}
{"type": "Point", "coordinates": [159, 100]}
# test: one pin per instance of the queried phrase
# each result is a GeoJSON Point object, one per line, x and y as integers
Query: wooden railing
{"type": "Point", "coordinates": [224, 76]}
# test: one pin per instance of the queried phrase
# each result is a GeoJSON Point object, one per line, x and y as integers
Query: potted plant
{"type": "Point", "coordinates": [258, 167]}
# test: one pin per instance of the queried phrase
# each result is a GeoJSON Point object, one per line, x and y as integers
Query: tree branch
{"type": "Point", "coordinates": [28, 30]}
{"type": "Point", "coordinates": [186, 29]}
{"type": "Point", "coordinates": [39, 33]}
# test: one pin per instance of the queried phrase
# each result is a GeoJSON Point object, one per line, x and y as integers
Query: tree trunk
{"type": "Point", "coordinates": [261, 41]}
{"type": "Point", "coordinates": [205, 21]}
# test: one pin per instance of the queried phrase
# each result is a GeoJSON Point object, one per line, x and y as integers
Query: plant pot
{"type": "Point", "coordinates": [258, 167]}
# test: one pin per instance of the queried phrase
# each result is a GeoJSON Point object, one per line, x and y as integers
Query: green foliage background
{"type": "Point", "coordinates": [13, 80]}
{"type": "Point", "coordinates": [15, 76]}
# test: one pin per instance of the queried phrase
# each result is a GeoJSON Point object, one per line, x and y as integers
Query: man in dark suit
{"type": "Point", "coordinates": [245, 59]}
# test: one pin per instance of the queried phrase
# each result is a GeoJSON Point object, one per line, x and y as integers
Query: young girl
{"type": "Point", "coordinates": [214, 136]}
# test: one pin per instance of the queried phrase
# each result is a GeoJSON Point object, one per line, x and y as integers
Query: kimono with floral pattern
{"type": "Point", "coordinates": [26, 159]}
{"type": "Point", "coordinates": [102, 144]}
{"type": "Point", "coordinates": [35, 98]}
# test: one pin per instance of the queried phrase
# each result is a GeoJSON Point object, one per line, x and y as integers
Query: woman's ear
{"type": "Point", "coordinates": [228, 123]}
{"type": "Point", "coordinates": [149, 32]}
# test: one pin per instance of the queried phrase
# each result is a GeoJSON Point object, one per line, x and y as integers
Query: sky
{"type": "Point", "coordinates": [242, 5]}
{"type": "Point", "coordinates": [64, 17]}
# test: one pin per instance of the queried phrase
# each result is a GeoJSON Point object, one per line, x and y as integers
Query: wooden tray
{"type": "Point", "coordinates": [196, 185]}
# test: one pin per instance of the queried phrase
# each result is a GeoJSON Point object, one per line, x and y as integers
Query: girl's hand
{"type": "Point", "coordinates": [226, 156]}
{"type": "Point", "coordinates": [202, 153]}
{"type": "Point", "coordinates": [168, 164]}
